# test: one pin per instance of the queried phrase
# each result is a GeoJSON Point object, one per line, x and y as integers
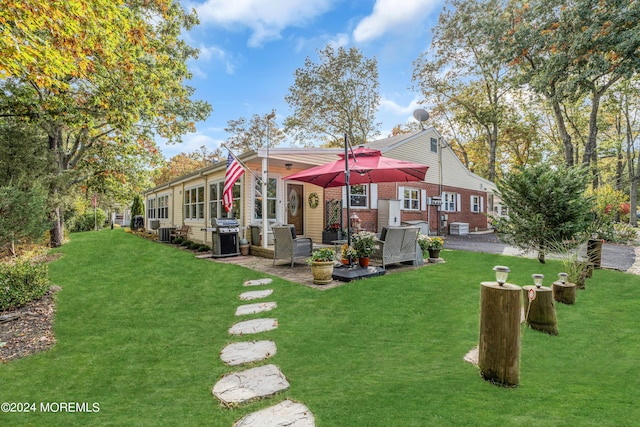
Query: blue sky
{"type": "Point", "coordinates": [250, 49]}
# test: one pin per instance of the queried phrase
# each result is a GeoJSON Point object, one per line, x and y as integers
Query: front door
{"type": "Point", "coordinates": [295, 206]}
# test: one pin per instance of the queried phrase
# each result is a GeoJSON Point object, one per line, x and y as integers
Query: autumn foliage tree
{"type": "Point", "coordinates": [335, 96]}
{"type": "Point", "coordinates": [102, 79]}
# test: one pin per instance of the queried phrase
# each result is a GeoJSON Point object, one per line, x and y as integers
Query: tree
{"type": "Point", "coordinates": [569, 50]}
{"type": "Point", "coordinates": [125, 85]}
{"type": "Point", "coordinates": [184, 163]}
{"type": "Point", "coordinates": [251, 134]}
{"type": "Point", "coordinates": [338, 95]}
{"type": "Point", "coordinates": [462, 72]}
{"type": "Point", "coordinates": [23, 213]}
{"type": "Point", "coordinates": [546, 206]}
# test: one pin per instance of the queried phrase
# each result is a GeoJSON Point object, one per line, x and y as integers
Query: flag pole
{"type": "Point", "coordinates": [241, 162]}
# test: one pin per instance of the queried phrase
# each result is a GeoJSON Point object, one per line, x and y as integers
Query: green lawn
{"type": "Point", "coordinates": [140, 324]}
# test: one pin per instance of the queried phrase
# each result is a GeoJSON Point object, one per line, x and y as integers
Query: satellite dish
{"type": "Point", "coordinates": [421, 115]}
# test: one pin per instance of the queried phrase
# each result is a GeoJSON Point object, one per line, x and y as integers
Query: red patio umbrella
{"type": "Point", "coordinates": [366, 166]}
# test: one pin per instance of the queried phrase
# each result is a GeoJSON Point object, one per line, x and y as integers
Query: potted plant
{"type": "Point", "coordinates": [433, 245]}
{"type": "Point", "coordinates": [321, 262]}
{"type": "Point", "coordinates": [364, 242]}
{"type": "Point", "coordinates": [348, 254]}
{"type": "Point", "coordinates": [332, 233]}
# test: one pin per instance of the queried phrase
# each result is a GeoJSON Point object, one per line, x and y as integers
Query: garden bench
{"type": "Point", "coordinates": [396, 244]}
{"type": "Point", "coordinates": [180, 232]}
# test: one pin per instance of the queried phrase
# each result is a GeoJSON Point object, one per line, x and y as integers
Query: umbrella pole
{"type": "Point", "coordinates": [346, 181]}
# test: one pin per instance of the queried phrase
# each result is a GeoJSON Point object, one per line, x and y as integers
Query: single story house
{"type": "Point", "coordinates": [449, 196]}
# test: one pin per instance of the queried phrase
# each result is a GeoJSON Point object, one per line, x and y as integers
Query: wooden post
{"type": "Point", "coordinates": [499, 346]}
{"type": "Point", "coordinates": [540, 313]}
{"type": "Point", "coordinates": [564, 292]}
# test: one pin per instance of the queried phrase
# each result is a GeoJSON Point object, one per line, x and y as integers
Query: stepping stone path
{"type": "Point", "coordinates": [251, 295]}
{"type": "Point", "coordinates": [258, 282]}
{"type": "Point", "coordinates": [243, 386]}
{"type": "Point", "coordinates": [255, 308]}
{"type": "Point", "coordinates": [282, 414]}
{"type": "Point", "coordinates": [253, 326]}
{"type": "Point", "coordinates": [263, 381]}
{"type": "Point", "coordinates": [246, 352]}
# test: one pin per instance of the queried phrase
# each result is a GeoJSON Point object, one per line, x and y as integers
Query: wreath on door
{"type": "Point", "coordinates": [313, 200]}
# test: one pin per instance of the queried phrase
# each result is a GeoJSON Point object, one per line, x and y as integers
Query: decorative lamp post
{"type": "Point", "coordinates": [537, 280]}
{"type": "Point", "coordinates": [563, 277]}
{"type": "Point", "coordinates": [501, 274]}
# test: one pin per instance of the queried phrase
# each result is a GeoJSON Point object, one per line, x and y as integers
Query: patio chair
{"type": "Point", "coordinates": [396, 244]}
{"type": "Point", "coordinates": [288, 246]}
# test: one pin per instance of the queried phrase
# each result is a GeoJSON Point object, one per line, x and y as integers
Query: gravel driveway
{"type": "Point", "coordinates": [614, 256]}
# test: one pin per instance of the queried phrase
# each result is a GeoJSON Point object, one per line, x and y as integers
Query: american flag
{"type": "Point", "coordinates": [234, 171]}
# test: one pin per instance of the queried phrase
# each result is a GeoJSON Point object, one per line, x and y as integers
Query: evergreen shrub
{"type": "Point", "coordinates": [21, 282]}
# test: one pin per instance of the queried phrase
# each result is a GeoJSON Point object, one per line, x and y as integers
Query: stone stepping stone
{"type": "Point", "coordinates": [253, 326]}
{"type": "Point", "coordinates": [247, 352]}
{"type": "Point", "coordinates": [258, 282]}
{"type": "Point", "coordinates": [251, 295]}
{"type": "Point", "coordinates": [285, 413]}
{"type": "Point", "coordinates": [258, 307]}
{"type": "Point", "coordinates": [241, 387]}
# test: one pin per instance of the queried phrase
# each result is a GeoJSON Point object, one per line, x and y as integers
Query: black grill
{"type": "Point", "coordinates": [224, 237]}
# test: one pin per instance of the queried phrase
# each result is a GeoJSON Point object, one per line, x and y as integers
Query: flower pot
{"type": "Point", "coordinates": [244, 249]}
{"type": "Point", "coordinates": [434, 253]}
{"type": "Point", "coordinates": [331, 236]}
{"type": "Point", "coordinates": [363, 262]}
{"type": "Point", "coordinates": [322, 272]}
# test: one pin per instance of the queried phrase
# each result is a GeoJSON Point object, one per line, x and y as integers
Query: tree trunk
{"type": "Point", "coordinates": [564, 292]}
{"type": "Point", "coordinates": [56, 234]}
{"type": "Point", "coordinates": [540, 313]}
{"type": "Point", "coordinates": [499, 346]}
{"type": "Point", "coordinates": [564, 134]}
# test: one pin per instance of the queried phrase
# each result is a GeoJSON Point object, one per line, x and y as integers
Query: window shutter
{"type": "Point", "coordinates": [373, 189]}
{"type": "Point", "coordinates": [458, 203]}
{"type": "Point", "coordinates": [481, 204]}
{"type": "Point", "coordinates": [401, 197]}
{"type": "Point", "coordinates": [423, 200]}
{"type": "Point", "coordinates": [344, 195]}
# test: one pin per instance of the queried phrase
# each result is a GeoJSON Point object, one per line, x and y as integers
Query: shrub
{"type": "Point", "coordinates": [87, 221]}
{"type": "Point", "coordinates": [21, 282]}
{"type": "Point", "coordinates": [624, 233]}
{"type": "Point", "coordinates": [203, 248]}
{"type": "Point", "coordinates": [194, 246]}
{"type": "Point", "coordinates": [177, 241]}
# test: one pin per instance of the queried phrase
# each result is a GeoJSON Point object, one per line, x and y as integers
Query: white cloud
{"type": "Point", "coordinates": [266, 19]}
{"type": "Point", "coordinates": [393, 16]}
{"type": "Point", "coordinates": [191, 142]}
{"type": "Point", "coordinates": [388, 106]}
{"type": "Point", "coordinates": [215, 54]}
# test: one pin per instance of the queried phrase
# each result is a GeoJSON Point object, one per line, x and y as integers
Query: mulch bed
{"type": "Point", "coordinates": [28, 329]}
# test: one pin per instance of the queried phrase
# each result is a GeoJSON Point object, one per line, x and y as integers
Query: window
{"type": "Point", "coordinates": [271, 199]}
{"type": "Point", "coordinates": [151, 208]}
{"type": "Point", "coordinates": [434, 145]}
{"type": "Point", "coordinates": [216, 208]}
{"type": "Point", "coordinates": [449, 202]}
{"type": "Point", "coordinates": [359, 196]}
{"type": "Point", "coordinates": [163, 207]}
{"type": "Point", "coordinates": [194, 203]}
{"type": "Point", "coordinates": [411, 199]}
{"type": "Point", "coordinates": [476, 204]}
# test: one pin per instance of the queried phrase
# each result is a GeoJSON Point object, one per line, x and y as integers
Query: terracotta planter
{"type": "Point", "coordinates": [322, 272]}
{"type": "Point", "coordinates": [363, 262]}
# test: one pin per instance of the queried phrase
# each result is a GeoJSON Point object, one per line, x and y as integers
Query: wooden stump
{"type": "Point", "coordinates": [564, 293]}
{"type": "Point", "coordinates": [540, 313]}
{"type": "Point", "coordinates": [499, 346]}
